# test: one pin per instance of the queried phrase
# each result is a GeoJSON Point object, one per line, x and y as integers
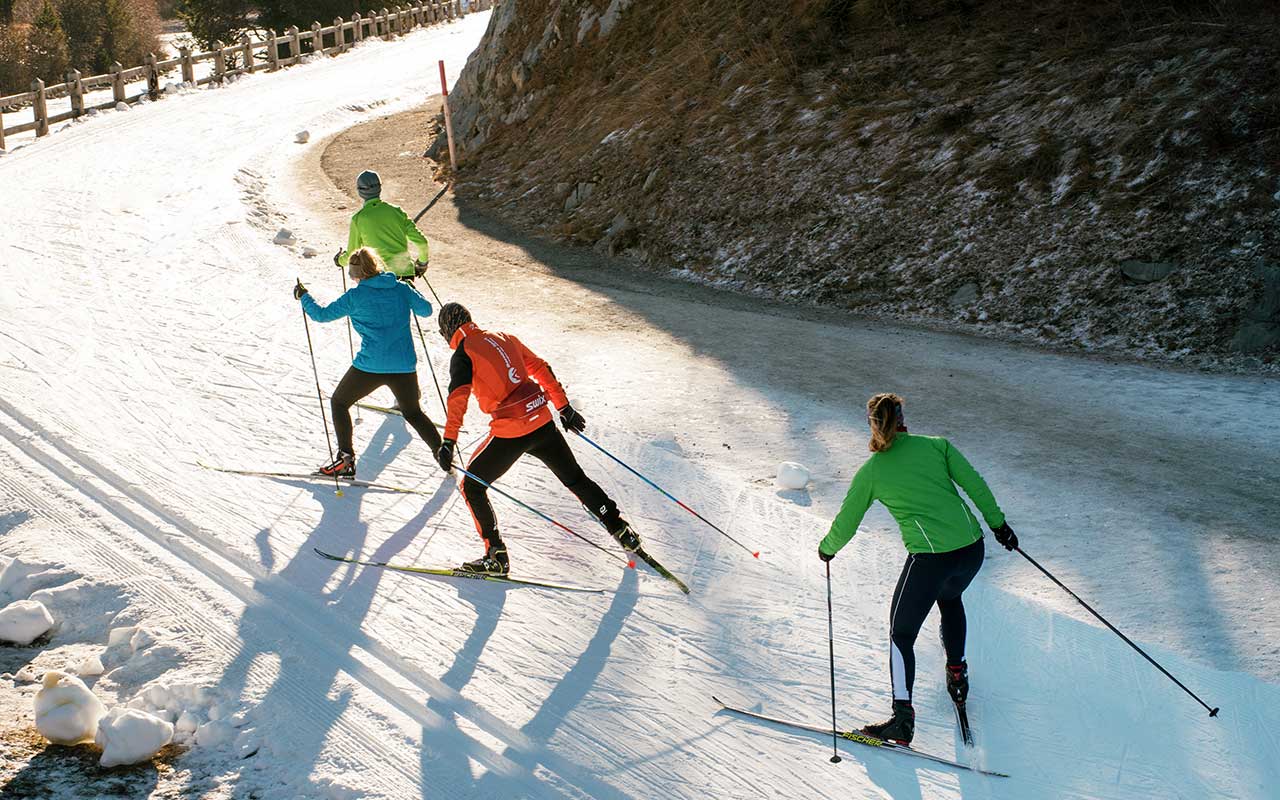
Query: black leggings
{"type": "Point", "coordinates": [357, 384]}
{"type": "Point", "coordinates": [926, 579]}
{"type": "Point", "coordinates": [546, 444]}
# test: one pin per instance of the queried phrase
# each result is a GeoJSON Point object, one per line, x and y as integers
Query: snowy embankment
{"type": "Point", "coordinates": [152, 329]}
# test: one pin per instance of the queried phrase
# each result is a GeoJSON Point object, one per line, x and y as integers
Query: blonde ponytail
{"type": "Point", "coordinates": [364, 264]}
{"type": "Point", "coordinates": [884, 414]}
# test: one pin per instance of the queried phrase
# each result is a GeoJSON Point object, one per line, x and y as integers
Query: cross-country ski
{"type": "Point", "coordinates": [452, 400]}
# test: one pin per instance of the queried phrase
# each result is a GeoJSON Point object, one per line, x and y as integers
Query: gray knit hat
{"type": "Point", "coordinates": [368, 184]}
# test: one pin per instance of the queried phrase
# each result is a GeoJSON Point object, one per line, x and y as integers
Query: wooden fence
{"type": "Point", "coordinates": [244, 57]}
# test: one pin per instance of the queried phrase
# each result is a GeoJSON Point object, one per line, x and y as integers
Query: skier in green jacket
{"type": "Point", "coordinates": [385, 228]}
{"type": "Point", "coordinates": [915, 477]}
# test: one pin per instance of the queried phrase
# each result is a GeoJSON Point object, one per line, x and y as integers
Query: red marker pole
{"type": "Point", "coordinates": [448, 120]}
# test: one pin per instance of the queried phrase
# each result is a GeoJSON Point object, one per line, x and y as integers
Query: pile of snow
{"type": "Point", "coordinates": [66, 711]}
{"type": "Point", "coordinates": [127, 736]}
{"type": "Point", "coordinates": [92, 665]}
{"type": "Point", "coordinates": [792, 475]}
{"type": "Point", "coordinates": [285, 237]}
{"type": "Point", "coordinates": [24, 621]}
{"type": "Point", "coordinates": [122, 106]}
{"type": "Point", "coordinates": [302, 137]}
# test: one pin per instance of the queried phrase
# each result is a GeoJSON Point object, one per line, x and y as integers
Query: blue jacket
{"type": "Point", "coordinates": [379, 309]}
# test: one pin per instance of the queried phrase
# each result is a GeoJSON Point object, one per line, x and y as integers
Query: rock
{"type": "Point", "coordinates": [1253, 337]}
{"type": "Point", "coordinates": [302, 137]}
{"type": "Point", "coordinates": [309, 252]}
{"type": "Point", "coordinates": [620, 235]}
{"type": "Point", "coordinates": [581, 194]}
{"type": "Point", "coordinates": [520, 75]}
{"type": "Point", "coordinates": [650, 180]}
{"type": "Point", "coordinates": [66, 711]}
{"type": "Point", "coordinates": [285, 238]}
{"type": "Point", "coordinates": [128, 736]}
{"type": "Point", "coordinates": [792, 476]}
{"type": "Point", "coordinates": [1147, 271]}
{"type": "Point", "coordinates": [966, 295]}
{"type": "Point", "coordinates": [1261, 326]}
{"type": "Point", "coordinates": [24, 621]}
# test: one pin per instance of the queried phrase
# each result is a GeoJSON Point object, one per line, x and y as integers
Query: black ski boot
{"type": "Point", "coordinates": [344, 466]}
{"type": "Point", "coordinates": [494, 562]}
{"type": "Point", "coordinates": [958, 682]}
{"type": "Point", "coordinates": [625, 536]}
{"type": "Point", "coordinates": [900, 728]}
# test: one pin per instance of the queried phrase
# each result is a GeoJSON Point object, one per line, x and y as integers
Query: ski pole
{"type": "Point", "coordinates": [831, 646]}
{"type": "Point", "coordinates": [433, 290]}
{"type": "Point", "coordinates": [669, 496]}
{"type": "Point", "coordinates": [439, 194]}
{"type": "Point", "coordinates": [306, 326]}
{"type": "Point", "coordinates": [431, 366]}
{"type": "Point", "coordinates": [1213, 712]}
{"type": "Point", "coordinates": [528, 507]}
{"type": "Point", "coordinates": [351, 345]}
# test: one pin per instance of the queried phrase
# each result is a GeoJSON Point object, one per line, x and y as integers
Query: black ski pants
{"type": "Point", "coordinates": [928, 579]}
{"type": "Point", "coordinates": [358, 384]}
{"type": "Point", "coordinates": [546, 444]}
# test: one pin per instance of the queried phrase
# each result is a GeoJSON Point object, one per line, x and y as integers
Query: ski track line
{"type": "Point", "coordinates": [301, 611]}
{"type": "Point", "coordinates": [359, 742]}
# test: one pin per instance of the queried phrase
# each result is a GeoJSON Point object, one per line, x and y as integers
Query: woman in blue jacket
{"type": "Point", "coordinates": [379, 307]}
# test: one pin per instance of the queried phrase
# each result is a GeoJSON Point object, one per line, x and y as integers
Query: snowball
{"type": "Point", "coordinates": [121, 635]}
{"type": "Point", "coordinates": [792, 475]}
{"type": "Point", "coordinates": [284, 237]}
{"type": "Point", "coordinates": [187, 723]}
{"type": "Point", "coordinates": [91, 666]}
{"type": "Point", "coordinates": [24, 621]}
{"type": "Point", "coordinates": [214, 734]}
{"type": "Point", "coordinates": [13, 572]}
{"type": "Point", "coordinates": [302, 137]}
{"type": "Point", "coordinates": [66, 711]}
{"type": "Point", "coordinates": [122, 106]}
{"type": "Point", "coordinates": [127, 736]}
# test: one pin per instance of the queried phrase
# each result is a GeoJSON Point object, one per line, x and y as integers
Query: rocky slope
{"type": "Point", "coordinates": [1106, 179]}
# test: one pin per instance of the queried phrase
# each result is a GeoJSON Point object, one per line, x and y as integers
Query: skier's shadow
{"type": "Point", "coordinates": [568, 693]}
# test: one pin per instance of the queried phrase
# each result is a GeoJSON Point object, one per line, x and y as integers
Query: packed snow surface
{"type": "Point", "coordinates": [160, 332]}
{"type": "Point", "coordinates": [66, 711]}
{"type": "Point", "coordinates": [24, 621]}
{"type": "Point", "coordinates": [127, 736]}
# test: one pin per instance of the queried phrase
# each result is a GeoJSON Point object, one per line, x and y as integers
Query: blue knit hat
{"type": "Point", "coordinates": [368, 184]}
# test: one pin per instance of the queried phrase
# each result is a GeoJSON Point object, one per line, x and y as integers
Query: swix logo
{"type": "Point", "coordinates": [511, 375]}
{"type": "Point", "coordinates": [537, 402]}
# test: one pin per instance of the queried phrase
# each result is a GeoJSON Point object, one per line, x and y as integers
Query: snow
{"type": "Point", "coordinates": [24, 621]}
{"type": "Point", "coordinates": [66, 711]}
{"type": "Point", "coordinates": [215, 613]}
{"type": "Point", "coordinates": [128, 736]}
{"type": "Point", "coordinates": [792, 476]}
{"type": "Point", "coordinates": [91, 666]}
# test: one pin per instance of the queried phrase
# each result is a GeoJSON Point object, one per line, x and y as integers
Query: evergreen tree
{"type": "Point", "coordinates": [211, 21]}
{"type": "Point", "coordinates": [47, 46]}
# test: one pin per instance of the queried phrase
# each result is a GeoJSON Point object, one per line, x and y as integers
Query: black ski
{"type": "Point", "coordinates": [962, 719]}
{"type": "Point", "coordinates": [658, 568]}
{"type": "Point", "coordinates": [858, 737]}
{"type": "Point", "coordinates": [452, 572]}
{"type": "Point", "coordinates": [315, 476]}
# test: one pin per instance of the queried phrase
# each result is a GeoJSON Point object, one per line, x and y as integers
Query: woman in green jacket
{"type": "Point", "coordinates": [915, 477]}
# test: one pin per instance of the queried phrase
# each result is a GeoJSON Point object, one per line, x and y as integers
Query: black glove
{"type": "Point", "coordinates": [444, 455]}
{"type": "Point", "coordinates": [572, 420]}
{"type": "Point", "coordinates": [825, 556]}
{"type": "Point", "coordinates": [336, 258]}
{"type": "Point", "coordinates": [419, 268]}
{"type": "Point", "coordinates": [299, 290]}
{"type": "Point", "coordinates": [1006, 536]}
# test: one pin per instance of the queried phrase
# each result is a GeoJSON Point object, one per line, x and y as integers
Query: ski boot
{"type": "Point", "coordinates": [900, 728]}
{"type": "Point", "coordinates": [958, 682]}
{"type": "Point", "coordinates": [344, 466]}
{"type": "Point", "coordinates": [625, 536]}
{"type": "Point", "coordinates": [494, 562]}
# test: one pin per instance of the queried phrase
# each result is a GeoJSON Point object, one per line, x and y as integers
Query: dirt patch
{"type": "Point", "coordinates": [35, 768]}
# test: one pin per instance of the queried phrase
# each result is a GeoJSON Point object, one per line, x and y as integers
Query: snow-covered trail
{"type": "Point", "coordinates": [147, 325]}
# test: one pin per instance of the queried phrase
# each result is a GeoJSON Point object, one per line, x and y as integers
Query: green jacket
{"type": "Point", "coordinates": [916, 480]}
{"type": "Point", "coordinates": [388, 230]}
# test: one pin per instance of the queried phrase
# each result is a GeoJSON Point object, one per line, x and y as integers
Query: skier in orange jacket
{"type": "Point", "coordinates": [517, 389]}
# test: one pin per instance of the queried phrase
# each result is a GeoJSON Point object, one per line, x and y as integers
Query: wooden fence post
{"type": "Point", "coordinates": [339, 36]}
{"type": "Point", "coordinates": [75, 88]}
{"type": "Point", "coordinates": [247, 66]}
{"type": "Point", "coordinates": [188, 67]}
{"type": "Point", "coordinates": [357, 28]}
{"type": "Point", "coordinates": [273, 51]}
{"type": "Point", "coordinates": [153, 76]}
{"type": "Point", "coordinates": [295, 44]}
{"type": "Point", "coordinates": [117, 82]}
{"type": "Point", "coordinates": [317, 38]}
{"type": "Point", "coordinates": [219, 63]}
{"type": "Point", "coordinates": [386, 24]}
{"type": "Point", "coordinates": [40, 108]}
{"type": "Point", "coordinates": [1, 129]}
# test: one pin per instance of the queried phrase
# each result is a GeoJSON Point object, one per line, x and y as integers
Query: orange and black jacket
{"type": "Point", "coordinates": [510, 382]}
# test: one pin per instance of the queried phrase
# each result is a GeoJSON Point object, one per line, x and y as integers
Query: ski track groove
{"type": "Point", "coordinates": [302, 610]}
